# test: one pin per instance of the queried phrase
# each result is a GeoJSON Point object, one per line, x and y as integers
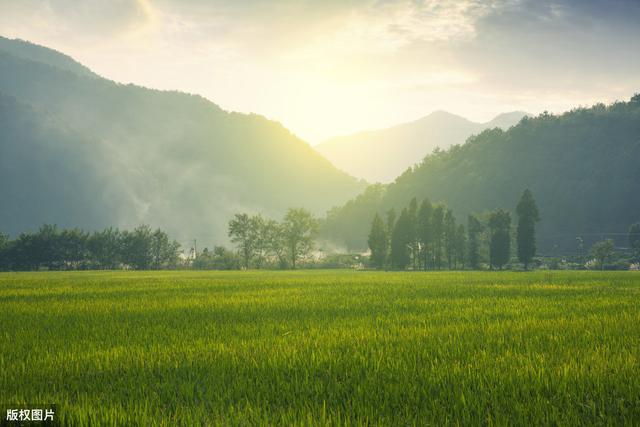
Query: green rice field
{"type": "Point", "coordinates": [323, 347]}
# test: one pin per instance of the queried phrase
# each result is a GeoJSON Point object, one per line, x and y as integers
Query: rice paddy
{"type": "Point", "coordinates": [323, 347]}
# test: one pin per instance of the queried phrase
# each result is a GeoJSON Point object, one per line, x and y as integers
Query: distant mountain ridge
{"type": "Point", "coordinates": [382, 155]}
{"type": "Point", "coordinates": [29, 51]}
{"type": "Point", "coordinates": [582, 167]}
{"type": "Point", "coordinates": [80, 150]}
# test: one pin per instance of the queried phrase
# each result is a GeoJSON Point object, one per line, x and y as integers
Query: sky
{"type": "Point", "coordinates": [334, 67]}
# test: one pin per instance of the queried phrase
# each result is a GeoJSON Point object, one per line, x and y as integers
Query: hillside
{"type": "Point", "coordinates": [581, 166]}
{"type": "Point", "coordinates": [382, 155]}
{"type": "Point", "coordinates": [168, 159]}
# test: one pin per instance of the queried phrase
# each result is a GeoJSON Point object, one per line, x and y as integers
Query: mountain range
{"type": "Point", "coordinates": [582, 167]}
{"type": "Point", "coordinates": [382, 155]}
{"type": "Point", "coordinates": [79, 150]}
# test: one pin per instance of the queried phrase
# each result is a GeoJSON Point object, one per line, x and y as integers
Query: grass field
{"type": "Point", "coordinates": [323, 347]}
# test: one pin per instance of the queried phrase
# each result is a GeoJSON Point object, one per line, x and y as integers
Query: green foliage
{"type": "Point", "coordinates": [275, 244]}
{"type": "Point", "coordinates": [391, 221]}
{"type": "Point", "coordinates": [438, 227]}
{"type": "Point", "coordinates": [528, 216]}
{"type": "Point", "coordinates": [219, 258]}
{"type": "Point", "coordinates": [450, 237]}
{"type": "Point", "coordinates": [261, 240]}
{"type": "Point", "coordinates": [4, 251]}
{"type": "Point", "coordinates": [243, 231]}
{"type": "Point", "coordinates": [378, 243]}
{"type": "Point", "coordinates": [105, 247]}
{"type": "Point", "coordinates": [500, 245]}
{"type": "Point", "coordinates": [581, 166]}
{"type": "Point", "coordinates": [323, 348]}
{"type": "Point", "coordinates": [475, 228]}
{"type": "Point", "coordinates": [602, 252]}
{"type": "Point", "coordinates": [337, 261]}
{"type": "Point", "coordinates": [137, 248]}
{"type": "Point", "coordinates": [460, 247]}
{"type": "Point", "coordinates": [412, 212]}
{"type": "Point", "coordinates": [425, 231]}
{"type": "Point", "coordinates": [345, 225]}
{"type": "Point", "coordinates": [299, 229]}
{"type": "Point", "coordinates": [73, 249]}
{"type": "Point", "coordinates": [401, 239]}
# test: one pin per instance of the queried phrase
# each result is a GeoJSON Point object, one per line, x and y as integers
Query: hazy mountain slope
{"type": "Point", "coordinates": [582, 167]}
{"type": "Point", "coordinates": [382, 155]}
{"type": "Point", "coordinates": [30, 143]}
{"type": "Point", "coordinates": [25, 50]}
{"type": "Point", "coordinates": [165, 158]}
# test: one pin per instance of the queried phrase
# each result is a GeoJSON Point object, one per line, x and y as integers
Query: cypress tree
{"type": "Point", "coordinates": [500, 246]}
{"type": "Point", "coordinates": [527, 217]}
{"type": "Point", "coordinates": [474, 228]}
{"type": "Point", "coordinates": [437, 226]}
{"type": "Point", "coordinates": [460, 244]}
{"type": "Point", "coordinates": [400, 242]}
{"type": "Point", "coordinates": [378, 242]}
{"type": "Point", "coordinates": [449, 237]}
{"type": "Point", "coordinates": [425, 231]}
{"type": "Point", "coordinates": [413, 231]}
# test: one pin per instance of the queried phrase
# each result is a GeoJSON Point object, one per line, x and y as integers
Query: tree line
{"type": "Point", "coordinates": [421, 237]}
{"type": "Point", "coordinates": [582, 188]}
{"type": "Point", "coordinates": [428, 237]}
{"type": "Point", "coordinates": [263, 242]}
{"type": "Point", "coordinates": [260, 243]}
{"type": "Point", "coordinates": [74, 249]}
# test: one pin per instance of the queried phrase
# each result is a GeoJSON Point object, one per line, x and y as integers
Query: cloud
{"type": "Point", "coordinates": [68, 18]}
{"type": "Point", "coordinates": [334, 66]}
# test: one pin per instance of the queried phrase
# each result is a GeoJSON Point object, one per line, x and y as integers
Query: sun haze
{"type": "Point", "coordinates": [336, 67]}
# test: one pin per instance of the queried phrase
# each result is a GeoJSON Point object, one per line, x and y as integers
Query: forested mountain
{"type": "Point", "coordinates": [80, 150]}
{"type": "Point", "coordinates": [582, 167]}
{"type": "Point", "coordinates": [382, 155]}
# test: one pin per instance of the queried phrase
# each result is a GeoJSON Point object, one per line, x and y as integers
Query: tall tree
{"type": "Point", "coordinates": [500, 246]}
{"type": "Point", "coordinates": [243, 233]}
{"type": "Point", "coordinates": [4, 252]}
{"type": "Point", "coordinates": [45, 250]}
{"type": "Point", "coordinates": [73, 250]}
{"type": "Point", "coordinates": [260, 239]}
{"type": "Point", "coordinates": [378, 242]}
{"type": "Point", "coordinates": [474, 229]}
{"type": "Point", "coordinates": [437, 226]}
{"type": "Point", "coordinates": [299, 230]}
{"type": "Point", "coordinates": [106, 248]}
{"type": "Point", "coordinates": [526, 235]}
{"type": "Point", "coordinates": [449, 237]}
{"type": "Point", "coordinates": [137, 247]}
{"type": "Point", "coordinates": [391, 219]}
{"type": "Point", "coordinates": [425, 231]}
{"type": "Point", "coordinates": [274, 242]}
{"type": "Point", "coordinates": [391, 223]}
{"type": "Point", "coordinates": [460, 246]}
{"type": "Point", "coordinates": [602, 252]}
{"type": "Point", "coordinates": [413, 231]}
{"type": "Point", "coordinates": [164, 252]}
{"type": "Point", "coordinates": [400, 242]}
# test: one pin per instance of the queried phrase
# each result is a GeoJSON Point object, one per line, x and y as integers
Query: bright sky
{"type": "Point", "coordinates": [331, 67]}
